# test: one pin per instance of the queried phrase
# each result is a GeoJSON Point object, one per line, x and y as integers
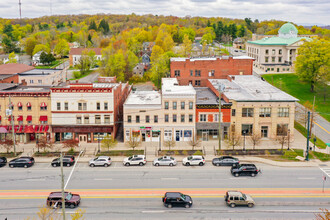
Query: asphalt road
{"type": "Point", "coordinates": [119, 192]}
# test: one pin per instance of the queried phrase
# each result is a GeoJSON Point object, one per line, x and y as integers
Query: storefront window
{"type": "Point", "coordinates": [67, 135]}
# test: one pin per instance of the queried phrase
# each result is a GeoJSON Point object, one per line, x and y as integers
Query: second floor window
{"type": "Point", "coordinates": [191, 105]}
{"type": "Point", "coordinates": [137, 119]}
{"type": "Point", "coordinates": [82, 106]}
{"type": "Point", "coordinates": [97, 119]}
{"type": "Point", "coordinates": [66, 106]}
{"type": "Point", "coordinates": [182, 105]}
{"type": "Point", "coordinates": [197, 82]}
{"type": "Point", "coordinates": [107, 119]}
{"type": "Point", "coordinates": [58, 106]}
{"type": "Point", "coordinates": [155, 118]}
{"type": "Point", "coordinates": [190, 118]}
{"type": "Point", "coordinates": [176, 72]}
{"type": "Point", "coordinates": [106, 106]}
{"type": "Point", "coordinates": [265, 112]}
{"type": "Point", "coordinates": [197, 73]}
{"type": "Point", "coordinates": [233, 112]}
{"type": "Point", "coordinates": [86, 120]}
{"type": "Point", "coordinates": [247, 112]}
{"type": "Point", "coordinates": [129, 119]}
{"type": "Point", "coordinates": [283, 112]}
{"type": "Point", "coordinates": [202, 117]}
{"type": "Point", "coordinates": [147, 119]}
{"type": "Point", "coordinates": [166, 105]}
{"type": "Point", "coordinates": [174, 118]}
{"type": "Point", "coordinates": [191, 73]}
{"type": "Point", "coordinates": [98, 106]}
{"type": "Point", "coordinates": [182, 118]}
{"type": "Point", "coordinates": [78, 120]}
{"type": "Point", "coordinates": [166, 118]}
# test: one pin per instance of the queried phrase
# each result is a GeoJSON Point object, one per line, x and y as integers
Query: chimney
{"type": "Point", "coordinates": [24, 83]}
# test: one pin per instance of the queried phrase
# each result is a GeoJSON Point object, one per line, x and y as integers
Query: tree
{"type": "Point", "coordinates": [43, 143]}
{"type": "Point", "coordinates": [7, 144]}
{"type": "Point", "coordinates": [169, 143]}
{"type": "Point", "coordinates": [282, 135]}
{"type": "Point", "coordinates": [313, 63]}
{"type": "Point", "coordinates": [30, 43]}
{"type": "Point", "coordinates": [255, 139]}
{"type": "Point", "coordinates": [62, 48]}
{"type": "Point", "coordinates": [12, 58]}
{"type": "Point", "coordinates": [92, 58]}
{"type": "Point", "coordinates": [92, 26]}
{"type": "Point", "coordinates": [84, 63]}
{"type": "Point", "coordinates": [194, 142]}
{"type": "Point", "coordinates": [41, 47]}
{"type": "Point", "coordinates": [108, 142]}
{"type": "Point", "coordinates": [134, 140]}
{"type": "Point", "coordinates": [187, 45]}
{"type": "Point", "coordinates": [78, 214]}
{"type": "Point", "coordinates": [46, 58]}
{"type": "Point", "coordinates": [104, 27]}
{"type": "Point", "coordinates": [72, 144]}
{"type": "Point", "coordinates": [234, 139]}
{"type": "Point", "coordinates": [207, 38]}
{"type": "Point", "coordinates": [241, 31]}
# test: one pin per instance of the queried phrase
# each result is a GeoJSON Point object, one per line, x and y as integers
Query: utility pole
{"type": "Point", "coordinates": [62, 187]}
{"type": "Point", "coordinates": [220, 88]}
{"type": "Point", "coordinates": [308, 119]}
{"type": "Point", "coordinates": [20, 11]}
{"type": "Point", "coordinates": [312, 119]}
{"type": "Point", "coordinates": [12, 124]}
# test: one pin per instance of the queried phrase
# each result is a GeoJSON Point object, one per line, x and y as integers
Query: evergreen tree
{"type": "Point", "coordinates": [92, 26]}
{"type": "Point", "coordinates": [104, 27]}
{"type": "Point", "coordinates": [241, 31]}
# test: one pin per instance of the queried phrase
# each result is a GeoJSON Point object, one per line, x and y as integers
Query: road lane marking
{"type": "Point", "coordinates": [321, 127]}
{"type": "Point", "coordinates": [306, 178]}
{"type": "Point", "coordinates": [155, 211]}
{"type": "Point", "coordinates": [326, 171]}
{"type": "Point", "coordinates": [35, 179]}
{"type": "Point", "coordinates": [105, 179]}
{"type": "Point", "coordinates": [169, 178]}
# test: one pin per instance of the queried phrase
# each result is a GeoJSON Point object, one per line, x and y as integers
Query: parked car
{"type": "Point", "coordinates": [69, 156]}
{"type": "Point", "coordinates": [135, 160]}
{"type": "Point", "coordinates": [71, 200]}
{"type": "Point", "coordinates": [165, 161]}
{"type": "Point", "coordinates": [172, 199]}
{"type": "Point", "coordinates": [22, 162]}
{"type": "Point", "coordinates": [225, 161]}
{"type": "Point", "coordinates": [67, 161]}
{"type": "Point", "coordinates": [245, 169]}
{"type": "Point", "coordinates": [193, 160]}
{"type": "Point", "coordinates": [100, 161]}
{"type": "Point", "coordinates": [3, 161]}
{"type": "Point", "coordinates": [236, 198]}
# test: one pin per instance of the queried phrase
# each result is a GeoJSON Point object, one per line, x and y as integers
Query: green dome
{"type": "Point", "coordinates": [288, 28]}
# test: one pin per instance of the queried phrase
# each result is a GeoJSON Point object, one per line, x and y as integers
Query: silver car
{"type": "Point", "coordinates": [165, 161]}
{"type": "Point", "coordinates": [100, 161]}
{"type": "Point", "coordinates": [135, 160]}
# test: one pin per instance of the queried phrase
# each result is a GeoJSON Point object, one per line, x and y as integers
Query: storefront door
{"type": "Point", "coordinates": [177, 135]}
{"type": "Point", "coordinates": [205, 136]}
{"type": "Point", "coordinates": [83, 138]}
{"type": "Point", "coordinates": [264, 131]}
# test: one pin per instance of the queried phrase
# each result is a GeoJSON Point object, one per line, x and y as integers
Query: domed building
{"type": "Point", "coordinates": [276, 54]}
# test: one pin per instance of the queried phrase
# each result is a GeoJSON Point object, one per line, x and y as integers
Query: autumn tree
{"type": "Point", "coordinates": [84, 62]}
{"type": "Point", "coordinates": [207, 38]}
{"type": "Point", "coordinates": [313, 63]}
{"type": "Point", "coordinates": [186, 46]}
{"type": "Point", "coordinates": [41, 47]}
{"type": "Point", "coordinates": [7, 144]}
{"type": "Point", "coordinates": [325, 215]}
{"type": "Point", "coordinates": [134, 140]}
{"type": "Point", "coordinates": [12, 58]}
{"type": "Point", "coordinates": [30, 43]}
{"type": "Point", "coordinates": [72, 144]}
{"type": "Point", "coordinates": [62, 48]}
{"type": "Point", "coordinates": [108, 142]}
{"type": "Point", "coordinates": [43, 143]}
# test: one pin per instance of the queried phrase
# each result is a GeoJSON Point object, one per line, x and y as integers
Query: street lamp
{"type": "Point", "coordinates": [98, 140]}
{"type": "Point", "coordinates": [288, 139]}
{"type": "Point", "coordinates": [314, 140]}
{"type": "Point", "coordinates": [221, 87]}
{"type": "Point", "coordinates": [244, 132]}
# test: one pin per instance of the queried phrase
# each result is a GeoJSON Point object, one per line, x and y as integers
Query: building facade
{"type": "Point", "coordinates": [160, 117]}
{"type": "Point", "coordinates": [197, 71]}
{"type": "Point", "coordinates": [31, 112]}
{"type": "Point", "coordinates": [43, 77]}
{"type": "Point", "coordinates": [278, 53]}
{"type": "Point", "coordinates": [87, 112]}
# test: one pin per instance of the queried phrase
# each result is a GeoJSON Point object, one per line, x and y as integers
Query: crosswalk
{"type": "Point", "coordinates": [326, 171]}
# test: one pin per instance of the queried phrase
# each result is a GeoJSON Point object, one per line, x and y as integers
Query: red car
{"type": "Point", "coordinates": [71, 200]}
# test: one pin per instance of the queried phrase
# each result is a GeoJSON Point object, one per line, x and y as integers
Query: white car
{"type": "Point", "coordinates": [100, 161]}
{"type": "Point", "coordinates": [135, 160]}
{"type": "Point", "coordinates": [193, 160]}
{"type": "Point", "coordinates": [165, 161]}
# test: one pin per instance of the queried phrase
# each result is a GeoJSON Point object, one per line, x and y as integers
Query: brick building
{"type": "Point", "coordinates": [9, 72]}
{"type": "Point", "coordinates": [198, 70]}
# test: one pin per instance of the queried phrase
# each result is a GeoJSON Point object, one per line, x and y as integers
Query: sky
{"type": "Point", "coordinates": [297, 11]}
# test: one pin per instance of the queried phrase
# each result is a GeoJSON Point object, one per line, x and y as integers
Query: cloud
{"type": "Point", "coordinates": [297, 11]}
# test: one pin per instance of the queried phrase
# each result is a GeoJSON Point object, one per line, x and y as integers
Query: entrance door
{"type": "Point", "coordinates": [205, 136]}
{"type": "Point", "coordinates": [82, 138]}
{"type": "Point", "coordinates": [143, 137]}
{"type": "Point", "coordinates": [177, 135]}
{"type": "Point", "coordinates": [278, 70]}
{"type": "Point", "coordinates": [264, 131]}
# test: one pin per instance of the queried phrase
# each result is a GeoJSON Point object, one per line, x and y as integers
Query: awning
{"type": "Point", "coordinates": [16, 128]}
{"type": "Point", "coordinates": [28, 129]}
{"type": "Point", "coordinates": [29, 118]}
{"type": "Point", "coordinates": [36, 128]}
{"type": "Point", "coordinates": [19, 104]}
{"type": "Point", "coordinates": [9, 118]}
{"type": "Point", "coordinates": [20, 118]}
{"type": "Point", "coordinates": [43, 104]}
{"type": "Point", "coordinates": [20, 130]}
{"type": "Point", "coordinates": [41, 128]}
{"type": "Point", "coordinates": [0, 117]}
{"type": "Point", "coordinates": [46, 128]}
{"type": "Point", "coordinates": [28, 104]}
{"type": "Point", "coordinates": [43, 118]}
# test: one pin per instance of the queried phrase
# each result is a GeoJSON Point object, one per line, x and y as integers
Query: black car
{"type": "Point", "coordinates": [22, 162]}
{"type": "Point", "coordinates": [245, 169]}
{"type": "Point", "coordinates": [3, 161]}
{"type": "Point", "coordinates": [225, 161]}
{"type": "Point", "coordinates": [69, 156]}
{"type": "Point", "coordinates": [67, 161]}
{"type": "Point", "coordinates": [171, 199]}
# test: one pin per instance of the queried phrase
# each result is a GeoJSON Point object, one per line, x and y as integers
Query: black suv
{"type": "Point", "coordinates": [171, 199]}
{"type": "Point", "coordinates": [245, 169]}
{"type": "Point", "coordinates": [22, 162]}
{"type": "Point", "coordinates": [67, 161]}
{"type": "Point", "coordinates": [225, 161]}
{"type": "Point", "coordinates": [3, 161]}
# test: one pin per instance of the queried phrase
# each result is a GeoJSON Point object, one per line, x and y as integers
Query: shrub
{"type": "Point", "coordinates": [76, 74]}
{"type": "Point", "coordinates": [198, 152]}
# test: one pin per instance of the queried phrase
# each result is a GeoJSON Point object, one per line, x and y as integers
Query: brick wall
{"type": "Point", "coordinates": [10, 79]}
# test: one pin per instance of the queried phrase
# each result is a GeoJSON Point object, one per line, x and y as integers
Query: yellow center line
{"type": "Point", "coordinates": [321, 127]}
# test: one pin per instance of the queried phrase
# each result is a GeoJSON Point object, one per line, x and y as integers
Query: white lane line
{"type": "Point", "coordinates": [36, 180]}
{"type": "Point", "coordinates": [104, 179]}
{"type": "Point", "coordinates": [169, 178]}
{"type": "Point", "coordinates": [326, 171]}
{"type": "Point", "coordinates": [306, 178]}
{"type": "Point", "coordinates": [156, 211]}
{"type": "Point", "coordinates": [237, 178]}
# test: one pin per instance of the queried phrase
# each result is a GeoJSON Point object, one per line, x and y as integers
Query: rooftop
{"type": "Point", "coordinates": [205, 96]}
{"type": "Point", "coordinates": [251, 88]}
{"type": "Point", "coordinates": [170, 86]}
{"type": "Point", "coordinates": [23, 89]}
{"type": "Point", "coordinates": [39, 72]}
{"type": "Point", "coordinates": [183, 59]}
{"type": "Point", "coordinates": [144, 98]}
{"type": "Point", "coordinates": [14, 68]}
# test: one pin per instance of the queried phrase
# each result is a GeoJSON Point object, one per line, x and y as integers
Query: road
{"type": "Point", "coordinates": [119, 192]}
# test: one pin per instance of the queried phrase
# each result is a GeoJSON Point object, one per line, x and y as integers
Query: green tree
{"type": "Point", "coordinates": [207, 38]}
{"type": "Point", "coordinates": [241, 31]}
{"type": "Point", "coordinates": [46, 58]}
{"type": "Point", "coordinates": [187, 45]}
{"type": "Point", "coordinates": [313, 63]}
{"type": "Point", "coordinates": [108, 142]}
{"type": "Point", "coordinates": [84, 62]}
{"type": "Point", "coordinates": [30, 43]}
{"type": "Point", "coordinates": [41, 47]}
{"type": "Point", "coordinates": [92, 58]}
{"type": "Point", "coordinates": [92, 26]}
{"type": "Point", "coordinates": [62, 48]}
{"type": "Point", "coordinates": [104, 27]}
{"type": "Point", "coordinates": [12, 58]}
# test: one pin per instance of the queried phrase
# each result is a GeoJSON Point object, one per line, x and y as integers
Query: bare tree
{"type": "Point", "coordinates": [43, 143]}
{"type": "Point", "coordinates": [194, 141]}
{"type": "Point", "coordinates": [109, 142]}
{"type": "Point", "coordinates": [255, 139]}
{"type": "Point", "coordinates": [233, 140]}
{"type": "Point", "coordinates": [282, 135]}
{"type": "Point", "coordinates": [169, 144]}
{"type": "Point", "coordinates": [134, 141]}
{"type": "Point", "coordinates": [7, 144]}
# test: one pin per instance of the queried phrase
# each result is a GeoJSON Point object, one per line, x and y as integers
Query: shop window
{"type": "Point", "coordinates": [168, 135]}
{"type": "Point", "coordinates": [247, 129]}
{"type": "Point", "coordinates": [265, 112]}
{"type": "Point", "coordinates": [247, 112]}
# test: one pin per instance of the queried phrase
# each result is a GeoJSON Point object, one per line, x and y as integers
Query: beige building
{"type": "Point", "coordinates": [276, 53]}
{"type": "Point", "coordinates": [157, 117]}
{"type": "Point", "coordinates": [43, 77]}
{"type": "Point", "coordinates": [257, 107]}
{"type": "Point", "coordinates": [31, 111]}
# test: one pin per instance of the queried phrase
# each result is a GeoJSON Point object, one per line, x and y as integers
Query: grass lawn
{"type": "Point", "coordinates": [52, 65]}
{"type": "Point", "coordinates": [82, 75]}
{"type": "Point", "coordinates": [321, 156]}
{"type": "Point", "coordinates": [319, 143]}
{"type": "Point", "coordinates": [301, 90]}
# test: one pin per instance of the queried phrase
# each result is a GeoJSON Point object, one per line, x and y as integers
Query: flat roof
{"type": "Point", "coordinates": [183, 59]}
{"type": "Point", "coordinates": [144, 98]}
{"type": "Point", "coordinates": [170, 86]}
{"type": "Point", "coordinates": [251, 88]}
{"type": "Point", "coordinates": [39, 72]}
{"type": "Point", "coordinates": [25, 89]}
{"type": "Point", "coordinates": [205, 96]}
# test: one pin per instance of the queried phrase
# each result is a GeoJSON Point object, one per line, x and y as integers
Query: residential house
{"type": "Point", "coordinates": [5, 58]}
{"type": "Point", "coordinates": [238, 43]}
{"type": "Point", "coordinates": [36, 58]}
{"type": "Point", "coordinates": [75, 54]}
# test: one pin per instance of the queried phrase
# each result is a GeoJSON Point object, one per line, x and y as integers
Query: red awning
{"type": "Point", "coordinates": [20, 118]}
{"type": "Point", "coordinates": [43, 118]}
{"type": "Point", "coordinates": [46, 128]}
{"type": "Point", "coordinates": [16, 128]}
{"type": "Point", "coordinates": [36, 128]}
{"type": "Point", "coordinates": [43, 104]}
{"type": "Point", "coordinates": [41, 128]}
{"type": "Point", "coordinates": [28, 129]}
{"type": "Point", "coordinates": [29, 118]}
{"type": "Point", "coordinates": [9, 118]}
{"type": "Point", "coordinates": [28, 104]}
{"type": "Point", "coordinates": [0, 117]}
{"type": "Point", "coordinates": [19, 104]}
{"type": "Point", "coordinates": [20, 130]}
